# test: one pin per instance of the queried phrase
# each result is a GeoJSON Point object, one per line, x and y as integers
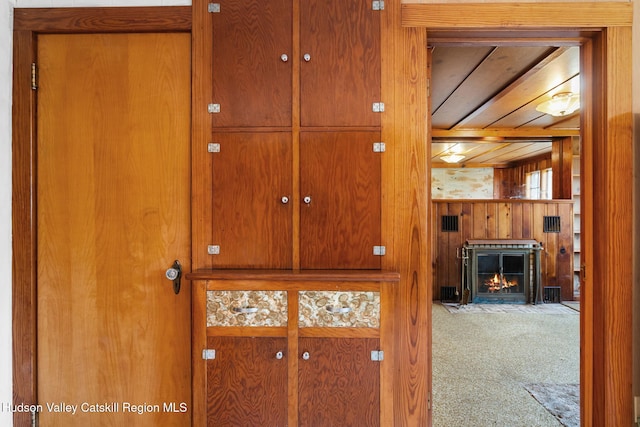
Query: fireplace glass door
{"type": "Point", "coordinates": [501, 276]}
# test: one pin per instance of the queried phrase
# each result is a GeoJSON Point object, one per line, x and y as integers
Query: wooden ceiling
{"type": "Point", "coordinates": [484, 98]}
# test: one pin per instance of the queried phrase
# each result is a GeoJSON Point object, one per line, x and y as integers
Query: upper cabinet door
{"type": "Point", "coordinates": [340, 64]}
{"type": "Point", "coordinates": [252, 42]}
{"type": "Point", "coordinates": [340, 200]}
{"type": "Point", "coordinates": [252, 187]}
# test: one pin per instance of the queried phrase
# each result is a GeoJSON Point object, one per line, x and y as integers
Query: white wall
{"type": "Point", "coordinates": [6, 26]}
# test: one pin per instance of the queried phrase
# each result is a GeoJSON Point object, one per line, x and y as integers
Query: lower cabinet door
{"type": "Point", "coordinates": [247, 382]}
{"type": "Point", "coordinates": [339, 384]}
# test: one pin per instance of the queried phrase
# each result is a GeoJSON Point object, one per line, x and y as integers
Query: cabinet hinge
{"type": "Point", "coordinates": [213, 108]}
{"type": "Point", "coordinates": [34, 418]}
{"type": "Point", "coordinates": [213, 8]}
{"type": "Point", "coordinates": [428, 88]}
{"type": "Point", "coordinates": [379, 250]}
{"type": "Point", "coordinates": [213, 147]}
{"type": "Point", "coordinates": [377, 355]}
{"type": "Point", "coordinates": [377, 5]}
{"type": "Point", "coordinates": [34, 76]}
{"type": "Point", "coordinates": [208, 354]}
{"type": "Point", "coordinates": [213, 249]}
{"type": "Point", "coordinates": [378, 107]}
{"type": "Point", "coordinates": [379, 147]}
{"type": "Point", "coordinates": [429, 401]}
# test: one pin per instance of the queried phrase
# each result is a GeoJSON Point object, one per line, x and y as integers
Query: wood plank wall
{"type": "Point", "coordinates": [504, 219]}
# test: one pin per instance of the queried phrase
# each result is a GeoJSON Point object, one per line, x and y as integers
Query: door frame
{"type": "Point", "coordinates": [604, 33]}
{"type": "Point", "coordinates": [28, 23]}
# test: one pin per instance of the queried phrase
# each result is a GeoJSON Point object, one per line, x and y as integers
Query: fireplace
{"type": "Point", "coordinates": [502, 271]}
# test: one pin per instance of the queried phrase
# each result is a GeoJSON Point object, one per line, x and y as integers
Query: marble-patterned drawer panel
{"type": "Point", "coordinates": [246, 308]}
{"type": "Point", "coordinates": [339, 309]}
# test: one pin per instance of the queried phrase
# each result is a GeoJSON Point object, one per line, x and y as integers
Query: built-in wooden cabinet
{"type": "Point", "coordinates": [278, 347]}
{"type": "Point", "coordinates": [287, 217]}
{"type": "Point", "coordinates": [295, 150]}
{"type": "Point", "coordinates": [340, 200]}
{"type": "Point", "coordinates": [247, 381]}
{"type": "Point", "coordinates": [251, 62]}
{"type": "Point", "coordinates": [252, 223]}
{"type": "Point", "coordinates": [339, 383]}
{"type": "Point", "coordinates": [340, 63]}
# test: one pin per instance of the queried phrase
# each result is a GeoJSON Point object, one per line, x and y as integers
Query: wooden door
{"type": "Point", "coordinates": [252, 215]}
{"type": "Point", "coordinates": [113, 203]}
{"type": "Point", "coordinates": [339, 384]}
{"type": "Point", "coordinates": [247, 382]}
{"type": "Point", "coordinates": [252, 57]}
{"type": "Point", "coordinates": [340, 77]}
{"type": "Point", "coordinates": [340, 222]}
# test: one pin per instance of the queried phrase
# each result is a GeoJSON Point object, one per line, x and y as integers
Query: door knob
{"type": "Point", "coordinates": [174, 273]}
{"type": "Point", "coordinates": [307, 57]}
{"type": "Point", "coordinates": [284, 200]}
{"type": "Point", "coordinates": [307, 200]}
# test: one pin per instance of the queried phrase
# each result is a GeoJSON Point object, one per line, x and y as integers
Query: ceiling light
{"type": "Point", "coordinates": [560, 104]}
{"type": "Point", "coordinates": [452, 158]}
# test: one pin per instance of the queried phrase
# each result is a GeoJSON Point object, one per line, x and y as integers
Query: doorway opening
{"type": "Point", "coordinates": [488, 140]}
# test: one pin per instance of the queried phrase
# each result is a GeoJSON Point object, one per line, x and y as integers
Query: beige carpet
{"type": "Point", "coordinates": [485, 357]}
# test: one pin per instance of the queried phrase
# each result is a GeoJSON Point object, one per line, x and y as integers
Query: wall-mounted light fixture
{"type": "Point", "coordinates": [560, 104]}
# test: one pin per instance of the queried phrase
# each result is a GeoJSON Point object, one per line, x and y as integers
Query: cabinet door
{"type": "Point", "coordinates": [339, 384]}
{"type": "Point", "coordinates": [251, 220]}
{"type": "Point", "coordinates": [247, 382]}
{"type": "Point", "coordinates": [340, 224]}
{"type": "Point", "coordinates": [251, 77]}
{"type": "Point", "coordinates": [341, 79]}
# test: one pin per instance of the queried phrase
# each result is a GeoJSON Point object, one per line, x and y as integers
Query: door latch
{"type": "Point", "coordinates": [175, 274]}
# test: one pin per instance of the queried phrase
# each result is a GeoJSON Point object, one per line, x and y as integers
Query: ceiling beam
{"type": "Point", "coordinates": [504, 133]}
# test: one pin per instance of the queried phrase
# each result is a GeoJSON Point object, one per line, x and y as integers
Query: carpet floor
{"type": "Point", "coordinates": [490, 362]}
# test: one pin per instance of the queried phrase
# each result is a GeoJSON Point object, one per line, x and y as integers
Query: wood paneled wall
{"type": "Point", "coordinates": [504, 219]}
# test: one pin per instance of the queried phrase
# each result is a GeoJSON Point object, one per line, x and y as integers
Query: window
{"type": "Point", "coordinates": [540, 184]}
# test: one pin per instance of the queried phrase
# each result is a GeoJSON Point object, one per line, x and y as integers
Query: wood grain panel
{"type": "Point", "coordinates": [612, 246]}
{"type": "Point", "coordinates": [246, 383]}
{"type": "Point", "coordinates": [341, 81]}
{"type": "Point", "coordinates": [550, 15]}
{"type": "Point", "coordinates": [407, 212]}
{"type": "Point", "coordinates": [252, 226]}
{"type": "Point", "coordinates": [339, 384]}
{"type": "Point", "coordinates": [105, 19]}
{"type": "Point", "coordinates": [24, 230]}
{"type": "Point", "coordinates": [341, 174]}
{"type": "Point", "coordinates": [251, 82]}
{"type": "Point", "coordinates": [113, 197]}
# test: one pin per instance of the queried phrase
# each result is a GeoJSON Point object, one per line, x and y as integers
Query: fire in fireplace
{"type": "Point", "coordinates": [502, 271]}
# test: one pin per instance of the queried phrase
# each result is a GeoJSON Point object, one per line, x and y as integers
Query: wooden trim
{"type": "Point", "coordinates": [606, 327]}
{"type": "Point", "coordinates": [321, 276]}
{"type": "Point", "coordinates": [246, 331]}
{"type": "Point", "coordinates": [611, 165]}
{"type": "Point", "coordinates": [201, 125]}
{"type": "Point", "coordinates": [103, 19]}
{"type": "Point", "coordinates": [340, 332]}
{"type": "Point", "coordinates": [405, 214]}
{"type": "Point", "coordinates": [27, 24]}
{"type": "Point", "coordinates": [24, 227]}
{"type": "Point", "coordinates": [517, 15]}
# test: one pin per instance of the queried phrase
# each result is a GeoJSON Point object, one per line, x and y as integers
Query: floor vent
{"type": "Point", "coordinates": [552, 294]}
{"type": "Point", "coordinates": [448, 293]}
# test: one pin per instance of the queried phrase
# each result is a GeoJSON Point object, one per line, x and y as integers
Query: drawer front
{"type": "Point", "coordinates": [246, 308]}
{"type": "Point", "coordinates": [339, 309]}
